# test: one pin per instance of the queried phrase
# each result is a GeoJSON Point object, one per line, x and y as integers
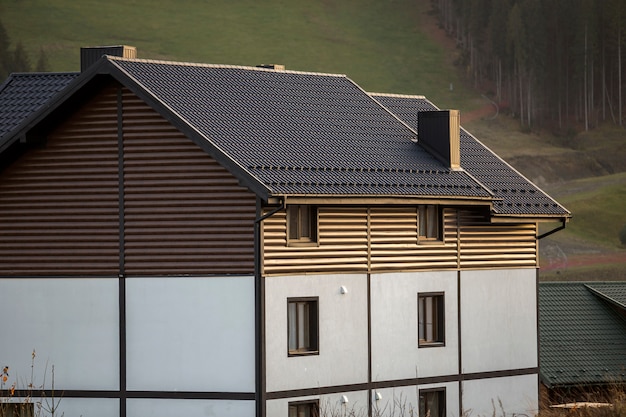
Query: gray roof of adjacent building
{"type": "Point", "coordinates": [582, 333]}
{"type": "Point", "coordinates": [292, 133]}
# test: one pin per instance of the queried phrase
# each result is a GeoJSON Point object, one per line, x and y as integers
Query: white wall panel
{"type": "Point", "coordinates": [86, 407]}
{"type": "Point", "coordinates": [395, 352]}
{"type": "Point", "coordinates": [404, 401]}
{"type": "Point", "coordinates": [71, 323]}
{"type": "Point", "coordinates": [190, 334]}
{"type": "Point", "coordinates": [330, 405]}
{"type": "Point", "coordinates": [196, 408]}
{"type": "Point", "coordinates": [516, 395]}
{"type": "Point", "coordinates": [342, 355]}
{"type": "Point", "coordinates": [499, 320]}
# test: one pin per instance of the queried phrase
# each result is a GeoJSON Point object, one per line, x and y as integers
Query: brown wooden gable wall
{"type": "Point", "coordinates": [384, 239]}
{"type": "Point", "coordinates": [59, 202]}
{"type": "Point", "coordinates": [182, 212]}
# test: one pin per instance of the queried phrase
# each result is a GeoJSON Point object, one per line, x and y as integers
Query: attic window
{"type": "Point", "coordinates": [301, 223]}
{"type": "Point", "coordinates": [429, 223]}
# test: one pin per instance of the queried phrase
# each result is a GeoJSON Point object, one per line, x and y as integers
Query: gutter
{"type": "Point", "coordinates": [561, 227]}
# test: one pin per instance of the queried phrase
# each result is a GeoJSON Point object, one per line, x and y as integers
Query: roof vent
{"type": "Point", "coordinates": [276, 67]}
{"type": "Point", "coordinates": [90, 55]}
{"type": "Point", "coordinates": [439, 132]}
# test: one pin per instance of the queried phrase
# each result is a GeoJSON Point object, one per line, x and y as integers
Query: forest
{"type": "Point", "coordinates": [554, 64]}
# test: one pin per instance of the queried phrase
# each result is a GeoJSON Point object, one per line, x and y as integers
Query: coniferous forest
{"type": "Point", "coordinates": [551, 63]}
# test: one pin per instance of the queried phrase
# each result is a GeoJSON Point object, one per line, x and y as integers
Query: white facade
{"type": "Point", "coordinates": [343, 350]}
{"type": "Point", "coordinates": [183, 335]}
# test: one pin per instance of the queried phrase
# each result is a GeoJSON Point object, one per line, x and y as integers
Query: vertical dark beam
{"type": "Point", "coordinates": [460, 344]}
{"type": "Point", "coordinates": [369, 314]}
{"type": "Point", "coordinates": [538, 330]}
{"type": "Point", "coordinates": [121, 273]}
{"type": "Point", "coordinates": [259, 313]}
{"type": "Point", "coordinates": [369, 345]}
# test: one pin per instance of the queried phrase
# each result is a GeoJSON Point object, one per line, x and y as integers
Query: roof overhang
{"type": "Point", "coordinates": [378, 200]}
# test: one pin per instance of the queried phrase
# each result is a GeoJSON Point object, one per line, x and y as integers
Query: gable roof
{"type": "Point", "coordinates": [582, 330]}
{"type": "Point", "coordinates": [289, 133]}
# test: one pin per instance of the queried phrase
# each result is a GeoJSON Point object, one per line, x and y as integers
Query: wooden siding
{"type": "Point", "coordinates": [59, 202]}
{"type": "Point", "coordinates": [182, 212]}
{"type": "Point", "coordinates": [384, 239]}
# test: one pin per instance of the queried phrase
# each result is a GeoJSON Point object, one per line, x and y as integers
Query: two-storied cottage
{"type": "Point", "coordinates": [188, 239]}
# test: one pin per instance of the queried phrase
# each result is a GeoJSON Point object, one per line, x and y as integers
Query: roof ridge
{"type": "Point", "coordinates": [225, 66]}
{"type": "Point", "coordinates": [418, 96]}
{"type": "Point", "coordinates": [603, 295]}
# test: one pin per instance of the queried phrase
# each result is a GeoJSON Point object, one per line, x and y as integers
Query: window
{"type": "Point", "coordinates": [304, 409]}
{"type": "Point", "coordinates": [429, 223]}
{"type": "Point", "coordinates": [432, 403]}
{"type": "Point", "coordinates": [301, 223]}
{"type": "Point", "coordinates": [302, 326]}
{"type": "Point", "coordinates": [430, 319]}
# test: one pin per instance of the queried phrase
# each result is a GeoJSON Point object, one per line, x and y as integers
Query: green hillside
{"type": "Point", "coordinates": [381, 45]}
{"type": "Point", "coordinates": [390, 46]}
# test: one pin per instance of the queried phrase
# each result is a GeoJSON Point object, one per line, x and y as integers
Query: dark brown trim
{"type": "Point", "coordinates": [183, 395]}
{"type": "Point", "coordinates": [122, 343]}
{"type": "Point", "coordinates": [120, 178]}
{"type": "Point", "coordinates": [259, 320]}
{"type": "Point", "coordinates": [441, 321]}
{"type": "Point", "coordinates": [369, 343]}
{"type": "Point", "coordinates": [336, 389]}
{"type": "Point", "coordinates": [458, 326]}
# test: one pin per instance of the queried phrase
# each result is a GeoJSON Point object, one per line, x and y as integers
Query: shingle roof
{"type": "Point", "coordinates": [296, 133]}
{"type": "Point", "coordinates": [582, 336]}
{"type": "Point", "coordinates": [23, 94]}
{"type": "Point", "coordinates": [514, 194]}
{"type": "Point", "coordinates": [300, 133]}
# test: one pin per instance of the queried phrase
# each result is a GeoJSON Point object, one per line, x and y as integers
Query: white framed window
{"type": "Point", "coordinates": [430, 319]}
{"type": "Point", "coordinates": [302, 326]}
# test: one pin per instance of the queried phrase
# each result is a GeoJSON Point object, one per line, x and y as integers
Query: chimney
{"type": "Point", "coordinates": [90, 55]}
{"type": "Point", "coordinates": [439, 132]}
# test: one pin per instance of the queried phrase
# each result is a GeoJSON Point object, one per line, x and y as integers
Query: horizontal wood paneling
{"type": "Point", "coordinates": [486, 245]}
{"type": "Point", "coordinates": [384, 239]}
{"type": "Point", "coordinates": [59, 203]}
{"type": "Point", "coordinates": [183, 212]}
{"type": "Point", "coordinates": [342, 236]}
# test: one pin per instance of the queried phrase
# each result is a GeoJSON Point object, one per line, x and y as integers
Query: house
{"type": "Point", "coordinates": [190, 239]}
{"type": "Point", "coordinates": [583, 338]}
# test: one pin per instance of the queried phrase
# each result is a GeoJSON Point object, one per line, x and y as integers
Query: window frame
{"type": "Point", "coordinates": [313, 329]}
{"type": "Point", "coordinates": [429, 224]}
{"type": "Point", "coordinates": [439, 314]}
{"type": "Point", "coordinates": [315, 404]}
{"type": "Point", "coordinates": [310, 217]}
{"type": "Point", "coordinates": [441, 394]}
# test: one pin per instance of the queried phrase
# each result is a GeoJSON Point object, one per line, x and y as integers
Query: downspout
{"type": "Point", "coordinates": [259, 301]}
{"type": "Point", "coordinates": [561, 227]}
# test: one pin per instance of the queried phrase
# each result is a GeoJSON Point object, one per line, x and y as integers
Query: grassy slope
{"type": "Point", "coordinates": [385, 46]}
{"type": "Point", "coordinates": [379, 44]}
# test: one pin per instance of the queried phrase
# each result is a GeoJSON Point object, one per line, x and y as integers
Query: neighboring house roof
{"type": "Point", "coordinates": [23, 94]}
{"type": "Point", "coordinates": [582, 328]}
{"type": "Point", "coordinates": [288, 133]}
